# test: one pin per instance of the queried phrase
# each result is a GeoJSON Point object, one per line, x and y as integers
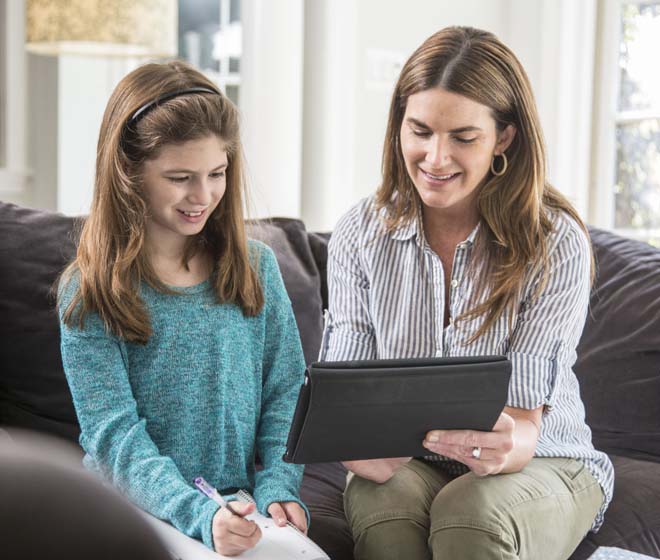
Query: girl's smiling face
{"type": "Point", "coordinates": [183, 186]}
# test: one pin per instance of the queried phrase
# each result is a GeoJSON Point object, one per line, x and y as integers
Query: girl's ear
{"type": "Point", "coordinates": [505, 138]}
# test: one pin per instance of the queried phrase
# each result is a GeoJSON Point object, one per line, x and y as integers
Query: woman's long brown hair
{"type": "Point", "coordinates": [111, 262]}
{"type": "Point", "coordinates": [515, 208]}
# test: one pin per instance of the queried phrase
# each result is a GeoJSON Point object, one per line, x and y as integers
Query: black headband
{"type": "Point", "coordinates": [142, 111]}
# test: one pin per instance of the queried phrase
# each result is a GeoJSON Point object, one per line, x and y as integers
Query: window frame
{"type": "Point", "coordinates": [14, 175]}
{"type": "Point", "coordinates": [607, 117]}
{"type": "Point", "coordinates": [3, 85]}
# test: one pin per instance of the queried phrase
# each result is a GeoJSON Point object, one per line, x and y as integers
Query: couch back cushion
{"type": "Point", "coordinates": [295, 254]}
{"type": "Point", "coordinates": [619, 353]}
{"type": "Point", "coordinates": [35, 246]}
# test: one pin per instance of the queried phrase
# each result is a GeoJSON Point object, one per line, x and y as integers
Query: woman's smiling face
{"type": "Point", "coordinates": [448, 142]}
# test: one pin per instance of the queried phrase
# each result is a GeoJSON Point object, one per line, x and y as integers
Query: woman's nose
{"type": "Point", "coordinates": [437, 152]}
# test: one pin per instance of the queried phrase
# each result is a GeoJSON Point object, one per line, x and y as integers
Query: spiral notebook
{"type": "Point", "coordinates": [613, 553]}
{"type": "Point", "coordinates": [277, 543]}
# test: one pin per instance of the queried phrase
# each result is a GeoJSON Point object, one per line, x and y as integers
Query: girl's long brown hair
{"type": "Point", "coordinates": [515, 208]}
{"type": "Point", "coordinates": [111, 262]}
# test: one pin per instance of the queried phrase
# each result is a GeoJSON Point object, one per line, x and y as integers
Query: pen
{"type": "Point", "coordinates": [208, 490]}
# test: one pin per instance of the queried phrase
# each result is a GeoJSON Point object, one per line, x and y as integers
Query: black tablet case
{"type": "Point", "coordinates": [383, 408]}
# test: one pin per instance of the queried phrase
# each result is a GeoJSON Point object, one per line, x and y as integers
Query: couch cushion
{"type": "Point", "coordinates": [318, 243]}
{"type": "Point", "coordinates": [619, 352]}
{"type": "Point", "coordinates": [322, 491]}
{"type": "Point", "coordinates": [291, 243]}
{"type": "Point", "coordinates": [632, 521]}
{"type": "Point", "coordinates": [34, 248]}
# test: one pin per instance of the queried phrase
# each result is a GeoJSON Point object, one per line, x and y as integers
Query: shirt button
{"type": "Point", "coordinates": [451, 320]}
{"type": "Point", "coordinates": [454, 283]}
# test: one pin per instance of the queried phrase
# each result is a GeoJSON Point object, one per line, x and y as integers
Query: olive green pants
{"type": "Point", "coordinates": [540, 513]}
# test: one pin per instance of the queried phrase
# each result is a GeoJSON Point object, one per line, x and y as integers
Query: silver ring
{"type": "Point", "coordinates": [476, 453]}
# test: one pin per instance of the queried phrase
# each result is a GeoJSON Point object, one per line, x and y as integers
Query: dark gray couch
{"type": "Point", "coordinates": [618, 365]}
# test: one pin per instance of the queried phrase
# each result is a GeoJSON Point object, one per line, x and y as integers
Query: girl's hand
{"type": "Point", "coordinates": [378, 470]}
{"type": "Point", "coordinates": [232, 534]}
{"type": "Point", "coordinates": [283, 512]}
{"type": "Point", "coordinates": [495, 446]}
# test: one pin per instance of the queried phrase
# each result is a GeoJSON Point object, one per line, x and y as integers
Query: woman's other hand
{"type": "Point", "coordinates": [232, 534]}
{"type": "Point", "coordinates": [378, 470]}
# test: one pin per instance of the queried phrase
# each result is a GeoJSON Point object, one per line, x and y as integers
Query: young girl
{"type": "Point", "coordinates": [465, 249]}
{"type": "Point", "coordinates": [178, 339]}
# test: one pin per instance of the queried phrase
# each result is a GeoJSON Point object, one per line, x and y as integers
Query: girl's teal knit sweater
{"type": "Point", "coordinates": [210, 390]}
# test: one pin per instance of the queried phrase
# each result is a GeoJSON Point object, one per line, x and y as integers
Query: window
{"type": "Point", "coordinates": [210, 39]}
{"type": "Point", "coordinates": [628, 127]}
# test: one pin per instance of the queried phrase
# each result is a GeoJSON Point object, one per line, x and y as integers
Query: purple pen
{"type": "Point", "coordinates": [208, 490]}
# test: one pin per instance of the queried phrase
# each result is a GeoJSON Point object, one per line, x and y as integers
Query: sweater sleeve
{"type": "Point", "coordinates": [283, 373]}
{"type": "Point", "coordinates": [113, 434]}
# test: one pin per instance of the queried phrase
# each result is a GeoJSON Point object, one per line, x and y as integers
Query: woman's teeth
{"type": "Point", "coordinates": [440, 177]}
{"type": "Point", "coordinates": [191, 214]}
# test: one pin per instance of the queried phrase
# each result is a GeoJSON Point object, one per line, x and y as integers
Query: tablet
{"type": "Point", "coordinates": [383, 408]}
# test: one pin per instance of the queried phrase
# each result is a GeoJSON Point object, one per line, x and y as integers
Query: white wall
{"type": "Point", "coordinates": [353, 51]}
{"type": "Point", "coordinates": [41, 125]}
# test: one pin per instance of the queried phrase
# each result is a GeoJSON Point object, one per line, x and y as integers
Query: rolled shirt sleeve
{"type": "Point", "coordinates": [550, 322]}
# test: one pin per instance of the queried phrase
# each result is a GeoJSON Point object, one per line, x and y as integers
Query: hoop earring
{"type": "Point", "coordinates": [505, 164]}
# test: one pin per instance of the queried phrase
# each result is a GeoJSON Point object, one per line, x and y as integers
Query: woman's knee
{"type": "Point", "coordinates": [393, 538]}
{"type": "Point", "coordinates": [467, 498]}
{"type": "Point", "coordinates": [466, 522]}
{"type": "Point", "coordinates": [470, 541]}
{"type": "Point", "coordinates": [408, 494]}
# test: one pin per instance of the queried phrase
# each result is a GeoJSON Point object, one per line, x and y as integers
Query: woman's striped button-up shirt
{"type": "Point", "coordinates": [387, 300]}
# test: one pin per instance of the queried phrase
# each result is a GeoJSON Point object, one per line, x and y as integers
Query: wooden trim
{"type": "Point", "coordinates": [606, 90]}
{"type": "Point", "coordinates": [632, 117]}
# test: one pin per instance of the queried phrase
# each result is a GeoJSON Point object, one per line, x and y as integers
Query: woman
{"type": "Point", "coordinates": [465, 249]}
{"type": "Point", "coordinates": [178, 338]}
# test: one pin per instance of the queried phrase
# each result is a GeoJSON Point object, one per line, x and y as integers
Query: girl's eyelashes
{"type": "Point", "coordinates": [184, 178]}
{"type": "Point", "coordinates": [465, 140]}
{"type": "Point", "coordinates": [421, 133]}
{"type": "Point", "coordinates": [178, 179]}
